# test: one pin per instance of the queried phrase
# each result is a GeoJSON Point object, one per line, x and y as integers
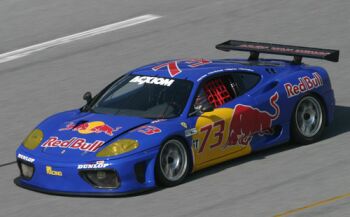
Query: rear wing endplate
{"type": "Point", "coordinates": [255, 48]}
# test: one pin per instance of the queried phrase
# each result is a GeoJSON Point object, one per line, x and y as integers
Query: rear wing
{"type": "Point", "coordinates": [255, 48]}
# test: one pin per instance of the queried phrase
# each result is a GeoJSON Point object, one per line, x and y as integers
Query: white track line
{"type": "Point", "coordinates": [12, 55]}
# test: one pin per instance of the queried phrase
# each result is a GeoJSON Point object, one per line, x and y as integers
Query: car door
{"type": "Point", "coordinates": [218, 134]}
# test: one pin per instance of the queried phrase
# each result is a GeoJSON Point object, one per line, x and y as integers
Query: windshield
{"type": "Point", "coordinates": [144, 96]}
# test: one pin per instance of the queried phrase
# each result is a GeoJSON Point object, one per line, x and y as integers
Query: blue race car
{"type": "Point", "coordinates": [155, 125]}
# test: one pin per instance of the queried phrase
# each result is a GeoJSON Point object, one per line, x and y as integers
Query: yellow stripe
{"type": "Point", "coordinates": [312, 205]}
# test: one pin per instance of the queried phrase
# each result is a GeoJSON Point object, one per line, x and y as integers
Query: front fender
{"type": "Point", "coordinates": [153, 135]}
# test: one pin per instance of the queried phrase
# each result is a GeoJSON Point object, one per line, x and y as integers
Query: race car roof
{"type": "Point", "coordinates": [194, 69]}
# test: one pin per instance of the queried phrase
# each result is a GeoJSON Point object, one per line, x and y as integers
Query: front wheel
{"type": "Point", "coordinates": [308, 121]}
{"type": "Point", "coordinates": [172, 163]}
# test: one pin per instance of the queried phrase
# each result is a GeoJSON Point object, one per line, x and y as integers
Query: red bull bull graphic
{"type": "Point", "coordinates": [73, 143]}
{"type": "Point", "coordinates": [305, 84]}
{"type": "Point", "coordinates": [91, 127]}
{"type": "Point", "coordinates": [248, 121]}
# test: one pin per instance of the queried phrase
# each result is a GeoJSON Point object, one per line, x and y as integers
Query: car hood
{"type": "Point", "coordinates": [78, 134]}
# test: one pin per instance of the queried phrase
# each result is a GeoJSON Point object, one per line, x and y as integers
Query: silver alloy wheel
{"type": "Point", "coordinates": [309, 116]}
{"type": "Point", "coordinates": [173, 160]}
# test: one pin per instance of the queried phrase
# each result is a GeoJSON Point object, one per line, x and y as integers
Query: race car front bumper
{"type": "Point", "coordinates": [111, 177]}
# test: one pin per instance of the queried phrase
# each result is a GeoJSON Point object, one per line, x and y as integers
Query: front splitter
{"type": "Point", "coordinates": [19, 183]}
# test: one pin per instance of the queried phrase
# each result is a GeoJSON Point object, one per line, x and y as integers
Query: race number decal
{"type": "Point", "coordinates": [219, 134]}
{"type": "Point", "coordinates": [172, 66]}
{"type": "Point", "coordinates": [174, 69]}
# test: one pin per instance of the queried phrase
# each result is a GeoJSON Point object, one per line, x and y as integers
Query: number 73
{"type": "Point", "coordinates": [219, 127]}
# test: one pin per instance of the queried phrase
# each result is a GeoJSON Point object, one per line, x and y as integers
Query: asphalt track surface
{"type": "Point", "coordinates": [264, 184]}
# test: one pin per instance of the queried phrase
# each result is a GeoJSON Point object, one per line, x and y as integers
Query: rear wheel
{"type": "Point", "coordinates": [308, 120]}
{"type": "Point", "coordinates": [172, 163]}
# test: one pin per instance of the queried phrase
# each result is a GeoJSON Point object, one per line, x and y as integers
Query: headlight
{"type": "Point", "coordinates": [118, 147]}
{"type": "Point", "coordinates": [33, 139]}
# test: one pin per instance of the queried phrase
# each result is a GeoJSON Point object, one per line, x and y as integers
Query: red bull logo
{"type": "Point", "coordinates": [73, 143]}
{"type": "Point", "coordinates": [248, 121]}
{"type": "Point", "coordinates": [91, 127]}
{"type": "Point", "coordinates": [305, 84]}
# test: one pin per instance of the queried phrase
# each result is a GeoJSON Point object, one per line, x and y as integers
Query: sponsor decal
{"type": "Point", "coordinates": [195, 144]}
{"type": "Point", "coordinates": [25, 158]}
{"type": "Point", "coordinates": [157, 121]}
{"type": "Point", "coordinates": [152, 80]}
{"type": "Point", "coordinates": [224, 70]}
{"type": "Point", "coordinates": [73, 143]}
{"type": "Point", "coordinates": [91, 127]}
{"type": "Point", "coordinates": [305, 84]}
{"type": "Point", "coordinates": [230, 69]}
{"type": "Point", "coordinates": [174, 69]}
{"type": "Point", "coordinates": [50, 171]}
{"type": "Point", "coordinates": [97, 165]}
{"type": "Point", "coordinates": [149, 130]}
{"type": "Point", "coordinates": [286, 49]}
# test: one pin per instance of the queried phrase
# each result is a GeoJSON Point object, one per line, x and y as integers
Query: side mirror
{"type": "Point", "coordinates": [207, 108]}
{"type": "Point", "coordinates": [87, 97]}
{"type": "Point", "coordinates": [204, 108]}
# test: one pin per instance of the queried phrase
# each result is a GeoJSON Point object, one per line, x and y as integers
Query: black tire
{"type": "Point", "coordinates": [308, 125]}
{"type": "Point", "coordinates": [175, 156]}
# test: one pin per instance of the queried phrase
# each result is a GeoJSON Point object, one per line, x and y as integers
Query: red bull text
{"type": "Point", "coordinates": [73, 143]}
{"type": "Point", "coordinates": [305, 84]}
